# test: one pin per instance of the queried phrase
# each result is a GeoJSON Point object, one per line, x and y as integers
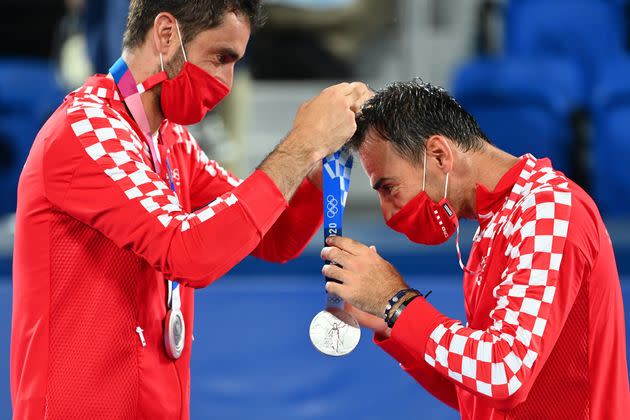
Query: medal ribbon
{"type": "Point", "coordinates": [336, 171]}
{"type": "Point", "coordinates": [131, 91]}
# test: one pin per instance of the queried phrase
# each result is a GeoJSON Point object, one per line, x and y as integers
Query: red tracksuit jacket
{"type": "Point", "coordinates": [545, 335]}
{"type": "Point", "coordinates": [97, 232]}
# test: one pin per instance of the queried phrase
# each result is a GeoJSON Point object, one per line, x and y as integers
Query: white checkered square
{"type": "Point", "coordinates": [530, 306]}
{"type": "Point", "coordinates": [457, 344]}
{"type": "Point", "coordinates": [539, 327]}
{"type": "Point", "coordinates": [543, 243]}
{"type": "Point", "coordinates": [498, 374]}
{"type": "Point", "coordinates": [484, 388]}
{"type": "Point", "coordinates": [513, 385]}
{"type": "Point", "coordinates": [538, 277]}
{"type": "Point", "coordinates": [548, 294]}
{"type": "Point", "coordinates": [81, 127]}
{"type": "Point", "coordinates": [469, 367]}
{"type": "Point", "coordinates": [104, 134]}
{"type": "Point", "coordinates": [96, 151]}
{"type": "Point", "coordinates": [455, 375]}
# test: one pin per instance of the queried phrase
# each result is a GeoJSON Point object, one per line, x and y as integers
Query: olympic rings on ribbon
{"type": "Point", "coordinates": [332, 206]}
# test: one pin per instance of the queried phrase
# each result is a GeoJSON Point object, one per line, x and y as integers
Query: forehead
{"type": "Point", "coordinates": [233, 32]}
{"type": "Point", "coordinates": [377, 154]}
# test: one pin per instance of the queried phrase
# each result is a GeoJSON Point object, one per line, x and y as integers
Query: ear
{"type": "Point", "coordinates": [165, 36]}
{"type": "Point", "coordinates": [439, 148]}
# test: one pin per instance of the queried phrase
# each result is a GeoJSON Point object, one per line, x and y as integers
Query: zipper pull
{"type": "Point", "coordinates": [140, 332]}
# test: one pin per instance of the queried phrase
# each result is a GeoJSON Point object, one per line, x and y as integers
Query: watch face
{"type": "Point", "coordinates": [334, 332]}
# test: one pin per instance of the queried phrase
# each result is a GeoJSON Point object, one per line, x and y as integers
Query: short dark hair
{"type": "Point", "coordinates": [407, 114]}
{"type": "Point", "coordinates": [193, 16]}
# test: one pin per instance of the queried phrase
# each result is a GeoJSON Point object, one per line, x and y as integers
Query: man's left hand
{"type": "Point", "coordinates": [367, 280]}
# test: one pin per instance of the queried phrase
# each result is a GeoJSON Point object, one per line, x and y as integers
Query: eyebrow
{"type": "Point", "coordinates": [230, 52]}
{"type": "Point", "coordinates": [378, 184]}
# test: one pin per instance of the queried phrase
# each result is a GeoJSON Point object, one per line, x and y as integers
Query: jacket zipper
{"type": "Point", "coordinates": [140, 332]}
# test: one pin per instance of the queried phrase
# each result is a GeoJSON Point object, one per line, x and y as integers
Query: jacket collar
{"type": "Point", "coordinates": [508, 190]}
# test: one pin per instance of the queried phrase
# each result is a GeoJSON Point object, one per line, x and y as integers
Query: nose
{"type": "Point", "coordinates": [388, 211]}
{"type": "Point", "coordinates": [226, 76]}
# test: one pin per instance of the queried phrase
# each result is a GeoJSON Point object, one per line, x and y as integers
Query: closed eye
{"type": "Point", "coordinates": [225, 55]}
{"type": "Point", "coordinates": [387, 188]}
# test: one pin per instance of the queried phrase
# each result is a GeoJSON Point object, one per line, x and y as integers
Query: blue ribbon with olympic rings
{"type": "Point", "coordinates": [336, 171]}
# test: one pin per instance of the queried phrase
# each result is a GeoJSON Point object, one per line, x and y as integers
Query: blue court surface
{"type": "Point", "coordinates": [252, 358]}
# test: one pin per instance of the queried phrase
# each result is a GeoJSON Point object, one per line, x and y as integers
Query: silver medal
{"type": "Point", "coordinates": [334, 332]}
{"type": "Point", "coordinates": [174, 333]}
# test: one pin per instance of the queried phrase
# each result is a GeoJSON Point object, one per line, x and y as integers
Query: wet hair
{"type": "Point", "coordinates": [407, 114]}
{"type": "Point", "coordinates": [193, 16]}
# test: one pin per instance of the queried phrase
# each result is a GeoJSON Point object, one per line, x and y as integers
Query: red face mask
{"type": "Point", "coordinates": [189, 96]}
{"type": "Point", "coordinates": [426, 222]}
{"type": "Point", "coordinates": [423, 220]}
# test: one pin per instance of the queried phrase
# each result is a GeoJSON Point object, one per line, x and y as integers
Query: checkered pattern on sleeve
{"type": "Point", "coordinates": [193, 149]}
{"type": "Point", "coordinates": [111, 142]}
{"type": "Point", "coordinates": [497, 361]}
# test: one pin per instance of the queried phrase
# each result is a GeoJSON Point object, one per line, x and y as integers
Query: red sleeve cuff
{"type": "Point", "coordinates": [308, 181]}
{"type": "Point", "coordinates": [396, 350]}
{"type": "Point", "coordinates": [261, 199]}
{"type": "Point", "coordinates": [307, 203]}
{"type": "Point", "coordinates": [414, 326]}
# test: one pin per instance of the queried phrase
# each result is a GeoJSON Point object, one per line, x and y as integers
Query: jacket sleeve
{"type": "Point", "coordinates": [440, 387]}
{"type": "Point", "coordinates": [541, 280]}
{"type": "Point", "coordinates": [95, 173]}
{"type": "Point", "coordinates": [295, 227]}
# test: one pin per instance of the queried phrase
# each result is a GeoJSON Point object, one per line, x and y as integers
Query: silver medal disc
{"type": "Point", "coordinates": [334, 332]}
{"type": "Point", "coordinates": [174, 333]}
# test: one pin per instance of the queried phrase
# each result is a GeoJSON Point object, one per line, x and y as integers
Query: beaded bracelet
{"type": "Point", "coordinates": [395, 299]}
{"type": "Point", "coordinates": [391, 321]}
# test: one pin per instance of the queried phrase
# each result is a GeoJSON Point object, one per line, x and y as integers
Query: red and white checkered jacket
{"type": "Point", "coordinates": [97, 232]}
{"type": "Point", "coordinates": [545, 334]}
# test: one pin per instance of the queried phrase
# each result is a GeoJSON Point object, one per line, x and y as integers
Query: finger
{"type": "Point", "coordinates": [343, 88]}
{"type": "Point", "coordinates": [335, 272]}
{"type": "Point", "coordinates": [356, 89]}
{"type": "Point", "coordinates": [349, 245]}
{"type": "Point", "coordinates": [357, 92]}
{"type": "Point", "coordinates": [334, 288]}
{"type": "Point", "coordinates": [358, 96]}
{"type": "Point", "coordinates": [336, 255]}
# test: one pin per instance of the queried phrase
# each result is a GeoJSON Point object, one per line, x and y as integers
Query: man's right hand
{"type": "Point", "coordinates": [322, 125]}
{"type": "Point", "coordinates": [327, 122]}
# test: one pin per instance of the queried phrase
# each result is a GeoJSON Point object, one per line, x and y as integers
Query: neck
{"type": "Point", "coordinates": [487, 167]}
{"type": "Point", "coordinates": [137, 62]}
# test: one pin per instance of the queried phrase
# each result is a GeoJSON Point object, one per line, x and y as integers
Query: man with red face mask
{"type": "Point", "coordinates": [545, 333]}
{"type": "Point", "coordinates": [121, 216]}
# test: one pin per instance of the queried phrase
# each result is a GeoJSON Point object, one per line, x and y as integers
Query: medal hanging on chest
{"type": "Point", "coordinates": [333, 331]}
{"type": "Point", "coordinates": [174, 326]}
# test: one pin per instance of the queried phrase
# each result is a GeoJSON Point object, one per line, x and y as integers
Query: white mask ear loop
{"type": "Point", "coordinates": [179, 34]}
{"type": "Point", "coordinates": [446, 185]}
{"type": "Point", "coordinates": [459, 252]}
{"type": "Point", "coordinates": [424, 172]}
{"type": "Point", "coordinates": [181, 42]}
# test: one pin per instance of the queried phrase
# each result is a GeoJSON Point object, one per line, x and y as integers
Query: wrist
{"type": "Point", "coordinates": [397, 303]}
{"type": "Point", "coordinates": [299, 143]}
